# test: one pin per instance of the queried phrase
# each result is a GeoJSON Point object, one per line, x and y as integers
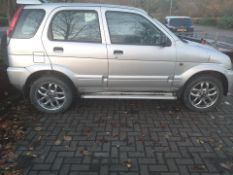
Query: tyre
{"type": "Point", "coordinates": [203, 93]}
{"type": "Point", "coordinates": [51, 94]}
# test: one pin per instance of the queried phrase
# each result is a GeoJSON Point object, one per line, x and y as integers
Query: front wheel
{"type": "Point", "coordinates": [203, 93]}
{"type": "Point", "coordinates": [51, 94]}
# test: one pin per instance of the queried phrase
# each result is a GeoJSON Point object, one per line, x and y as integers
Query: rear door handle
{"type": "Point", "coordinates": [118, 52]}
{"type": "Point", "coordinates": [58, 49]}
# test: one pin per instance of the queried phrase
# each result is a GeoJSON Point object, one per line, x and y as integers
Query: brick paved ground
{"type": "Point", "coordinates": [118, 137]}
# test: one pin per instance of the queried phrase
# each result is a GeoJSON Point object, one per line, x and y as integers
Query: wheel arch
{"type": "Point", "coordinates": [213, 73]}
{"type": "Point", "coordinates": [38, 74]}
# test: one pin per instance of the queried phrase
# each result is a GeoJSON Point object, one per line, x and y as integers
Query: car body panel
{"type": "Point", "coordinates": [139, 68]}
{"type": "Point", "coordinates": [92, 67]}
{"type": "Point", "coordinates": [87, 61]}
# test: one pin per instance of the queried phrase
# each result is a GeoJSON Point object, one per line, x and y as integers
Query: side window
{"type": "Point", "coordinates": [28, 23]}
{"type": "Point", "coordinates": [132, 29]}
{"type": "Point", "coordinates": [78, 26]}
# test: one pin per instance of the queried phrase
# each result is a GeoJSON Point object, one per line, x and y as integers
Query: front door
{"type": "Point", "coordinates": [137, 60]}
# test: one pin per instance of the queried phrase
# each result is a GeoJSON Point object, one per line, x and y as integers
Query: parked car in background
{"type": "Point", "coordinates": [180, 25]}
{"type": "Point", "coordinates": [59, 50]}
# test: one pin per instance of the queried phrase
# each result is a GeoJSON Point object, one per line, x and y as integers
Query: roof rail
{"type": "Point", "coordinates": [31, 2]}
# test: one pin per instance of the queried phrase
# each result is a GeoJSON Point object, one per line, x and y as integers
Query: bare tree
{"type": "Point", "coordinates": [11, 7]}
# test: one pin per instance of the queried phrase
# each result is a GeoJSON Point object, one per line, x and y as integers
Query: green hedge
{"type": "Point", "coordinates": [225, 22]}
{"type": "Point", "coordinates": [3, 21]}
{"type": "Point", "coordinates": [207, 21]}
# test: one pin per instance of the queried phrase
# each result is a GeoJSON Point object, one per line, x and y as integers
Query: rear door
{"type": "Point", "coordinates": [74, 41]}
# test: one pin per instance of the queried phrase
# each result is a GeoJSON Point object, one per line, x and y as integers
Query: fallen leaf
{"type": "Point", "coordinates": [8, 173]}
{"type": "Point", "coordinates": [200, 141]}
{"type": "Point", "coordinates": [67, 138]}
{"type": "Point", "coordinates": [227, 165]}
{"type": "Point", "coordinates": [219, 147]}
{"type": "Point", "coordinates": [115, 135]}
{"type": "Point", "coordinates": [87, 130]}
{"type": "Point", "coordinates": [128, 163]}
{"type": "Point", "coordinates": [170, 112]}
{"type": "Point", "coordinates": [11, 156]}
{"type": "Point", "coordinates": [199, 167]}
{"type": "Point", "coordinates": [167, 135]}
{"type": "Point", "coordinates": [102, 141]}
{"type": "Point", "coordinates": [227, 103]}
{"type": "Point", "coordinates": [38, 129]}
{"type": "Point", "coordinates": [31, 154]}
{"type": "Point", "coordinates": [212, 117]}
{"type": "Point", "coordinates": [57, 142]}
{"type": "Point", "coordinates": [84, 152]}
{"type": "Point", "coordinates": [177, 109]}
{"type": "Point", "coordinates": [163, 126]}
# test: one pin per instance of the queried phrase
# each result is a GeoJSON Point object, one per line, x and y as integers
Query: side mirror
{"type": "Point", "coordinates": [165, 41]}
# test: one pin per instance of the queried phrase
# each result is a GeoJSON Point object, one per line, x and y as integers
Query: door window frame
{"type": "Point", "coordinates": [53, 17]}
{"type": "Point", "coordinates": [79, 10]}
{"type": "Point", "coordinates": [138, 14]}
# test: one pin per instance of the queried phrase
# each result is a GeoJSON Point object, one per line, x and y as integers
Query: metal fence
{"type": "Point", "coordinates": [218, 40]}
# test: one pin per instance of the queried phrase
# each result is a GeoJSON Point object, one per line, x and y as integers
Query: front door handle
{"type": "Point", "coordinates": [58, 49]}
{"type": "Point", "coordinates": [118, 52]}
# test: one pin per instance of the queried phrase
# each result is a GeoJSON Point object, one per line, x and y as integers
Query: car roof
{"type": "Point", "coordinates": [56, 5]}
{"type": "Point", "coordinates": [178, 17]}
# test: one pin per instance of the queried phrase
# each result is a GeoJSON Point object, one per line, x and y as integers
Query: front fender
{"type": "Point", "coordinates": [180, 80]}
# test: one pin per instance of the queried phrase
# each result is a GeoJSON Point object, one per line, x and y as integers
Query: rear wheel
{"type": "Point", "coordinates": [51, 94]}
{"type": "Point", "coordinates": [203, 93]}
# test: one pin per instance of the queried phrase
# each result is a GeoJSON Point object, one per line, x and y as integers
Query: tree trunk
{"type": "Point", "coordinates": [11, 7]}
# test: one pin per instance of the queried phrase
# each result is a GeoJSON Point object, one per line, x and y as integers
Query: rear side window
{"type": "Point", "coordinates": [75, 26]}
{"type": "Point", "coordinates": [28, 23]}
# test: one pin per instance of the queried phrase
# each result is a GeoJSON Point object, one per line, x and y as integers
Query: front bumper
{"type": "Point", "coordinates": [18, 77]}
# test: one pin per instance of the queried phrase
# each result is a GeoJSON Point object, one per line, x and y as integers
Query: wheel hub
{"type": "Point", "coordinates": [204, 94]}
{"type": "Point", "coordinates": [50, 96]}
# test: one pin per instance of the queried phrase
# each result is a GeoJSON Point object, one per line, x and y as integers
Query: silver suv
{"type": "Point", "coordinates": [58, 50]}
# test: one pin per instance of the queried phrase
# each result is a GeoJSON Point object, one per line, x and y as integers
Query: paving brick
{"type": "Point", "coordinates": [136, 154]}
{"type": "Point", "coordinates": [80, 167]}
{"type": "Point", "coordinates": [64, 170]}
{"type": "Point", "coordinates": [57, 164]}
{"type": "Point", "coordinates": [41, 167]}
{"type": "Point", "coordinates": [158, 168]}
{"type": "Point", "coordinates": [146, 161]}
{"type": "Point", "coordinates": [184, 161]}
{"type": "Point", "coordinates": [183, 170]}
{"type": "Point", "coordinates": [72, 160]}
{"type": "Point", "coordinates": [65, 154]}
{"type": "Point", "coordinates": [171, 165]}
{"type": "Point", "coordinates": [144, 170]}
{"type": "Point", "coordinates": [156, 137]}
{"type": "Point", "coordinates": [104, 170]}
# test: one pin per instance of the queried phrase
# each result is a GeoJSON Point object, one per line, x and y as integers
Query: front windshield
{"type": "Point", "coordinates": [178, 22]}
